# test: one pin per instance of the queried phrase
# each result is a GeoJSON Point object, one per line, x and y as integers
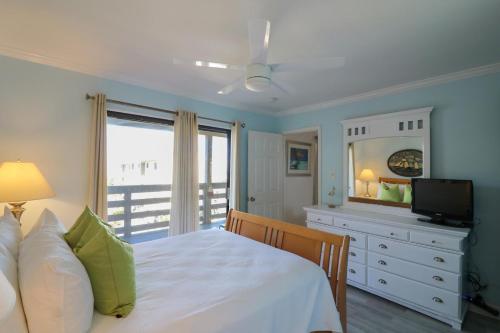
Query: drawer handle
{"type": "Point", "coordinates": [437, 300]}
{"type": "Point", "coordinates": [433, 241]}
{"type": "Point", "coordinates": [383, 246]}
{"type": "Point", "coordinates": [318, 219]}
{"type": "Point", "coordinates": [352, 271]}
{"type": "Point", "coordinates": [381, 262]}
{"type": "Point", "coordinates": [392, 234]}
{"type": "Point", "coordinates": [353, 239]}
{"type": "Point", "coordinates": [438, 259]}
{"type": "Point", "coordinates": [382, 281]}
{"type": "Point", "coordinates": [344, 224]}
{"type": "Point", "coordinates": [437, 278]}
{"type": "Point", "coordinates": [353, 254]}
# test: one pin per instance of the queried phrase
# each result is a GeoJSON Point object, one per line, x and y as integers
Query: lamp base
{"type": "Point", "coordinates": [17, 209]}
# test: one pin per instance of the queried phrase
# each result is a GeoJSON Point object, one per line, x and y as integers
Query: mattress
{"type": "Point", "coordinates": [216, 281]}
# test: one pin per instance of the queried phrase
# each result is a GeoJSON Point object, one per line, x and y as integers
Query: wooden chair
{"type": "Point", "coordinates": [327, 250]}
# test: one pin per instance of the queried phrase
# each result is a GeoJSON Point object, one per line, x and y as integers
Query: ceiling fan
{"type": "Point", "coordinates": [259, 73]}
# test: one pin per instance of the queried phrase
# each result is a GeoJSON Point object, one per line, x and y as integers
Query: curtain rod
{"type": "Point", "coordinates": [114, 101]}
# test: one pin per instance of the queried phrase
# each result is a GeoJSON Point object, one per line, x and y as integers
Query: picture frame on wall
{"type": "Point", "coordinates": [298, 158]}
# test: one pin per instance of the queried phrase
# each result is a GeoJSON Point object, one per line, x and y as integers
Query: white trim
{"type": "Point", "coordinates": [316, 129]}
{"type": "Point", "coordinates": [119, 77]}
{"type": "Point", "coordinates": [440, 79]}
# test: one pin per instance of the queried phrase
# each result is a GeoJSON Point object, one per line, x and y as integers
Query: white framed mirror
{"type": "Point", "coordinates": [381, 155]}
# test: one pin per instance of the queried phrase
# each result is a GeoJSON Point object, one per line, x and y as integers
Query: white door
{"type": "Point", "coordinates": [265, 174]}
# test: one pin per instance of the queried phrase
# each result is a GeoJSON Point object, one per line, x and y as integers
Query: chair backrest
{"type": "Point", "coordinates": [327, 250]}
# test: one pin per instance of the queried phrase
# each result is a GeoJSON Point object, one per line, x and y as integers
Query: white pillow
{"type": "Point", "coordinates": [47, 221]}
{"type": "Point", "coordinates": [10, 232]}
{"type": "Point", "coordinates": [55, 287]}
{"type": "Point", "coordinates": [15, 322]}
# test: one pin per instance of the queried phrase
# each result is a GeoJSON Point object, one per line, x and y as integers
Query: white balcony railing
{"type": "Point", "coordinates": [135, 209]}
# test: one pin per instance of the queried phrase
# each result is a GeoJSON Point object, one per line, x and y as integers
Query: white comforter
{"type": "Point", "coordinates": [216, 281]}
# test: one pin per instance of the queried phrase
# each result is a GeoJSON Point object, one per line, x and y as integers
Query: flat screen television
{"type": "Point", "coordinates": [443, 199]}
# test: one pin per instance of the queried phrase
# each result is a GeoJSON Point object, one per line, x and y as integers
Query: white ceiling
{"type": "Point", "coordinates": [385, 42]}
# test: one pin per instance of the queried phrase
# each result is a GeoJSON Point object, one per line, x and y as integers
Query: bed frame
{"type": "Point", "coordinates": [302, 241]}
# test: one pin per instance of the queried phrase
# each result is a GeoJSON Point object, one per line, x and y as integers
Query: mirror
{"type": "Point", "coordinates": [380, 169]}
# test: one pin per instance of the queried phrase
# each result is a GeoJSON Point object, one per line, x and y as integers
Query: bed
{"type": "Point", "coordinates": [258, 275]}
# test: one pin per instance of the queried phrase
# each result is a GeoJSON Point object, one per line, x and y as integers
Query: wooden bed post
{"type": "Point", "coordinates": [308, 243]}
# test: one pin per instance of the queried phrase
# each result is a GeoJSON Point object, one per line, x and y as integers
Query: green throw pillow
{"type": "Point", "coordinates": [109, 262]}
{"type": "Point", "coordinates": [74, 234]}
{"type": "Point", "coordinates": [390, 193]}
{"type": "Point", "coordinates": [407, 195]}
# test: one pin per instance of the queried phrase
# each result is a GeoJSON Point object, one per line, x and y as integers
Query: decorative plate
{"type": "Point", "coordinates": [406, 163]}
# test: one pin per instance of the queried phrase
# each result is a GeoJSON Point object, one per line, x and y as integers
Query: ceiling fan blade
{"type": "Point", "coordinates": [317, 64]}
{"type": "Point", "coordinates": [203, 63]}
{"type": "Point", "coordinates": [231, 87]}
{"type": "Point", "coordinates": [284, 88]}
{"type": "Point", "coordinates": [259, 31]}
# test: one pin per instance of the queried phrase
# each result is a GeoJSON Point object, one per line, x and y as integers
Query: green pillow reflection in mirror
{"type": "Point", "coordinates": [390, 193]}
{"type": "Point", "coordinates": [407, 195]}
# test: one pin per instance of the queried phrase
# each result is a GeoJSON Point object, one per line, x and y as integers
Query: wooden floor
{"type": "Point", "coordinates": [371, 314]}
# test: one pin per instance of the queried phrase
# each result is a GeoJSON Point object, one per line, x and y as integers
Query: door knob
{"type": "Point", "coordinates": [252, 199]}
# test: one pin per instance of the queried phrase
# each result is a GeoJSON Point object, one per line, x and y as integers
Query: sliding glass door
{"type": "Point", "coordinates": [140, 161]}
{"type": "Point", "coordinates": [213, 164]}
{"type": "Point", "coordinates": [140, 153]}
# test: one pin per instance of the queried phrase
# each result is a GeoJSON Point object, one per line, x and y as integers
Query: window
{"type": "Point", "coordinates": [140, 153]}
{"type": "Point", "coordinates": [213, 166]}
{"type": "Point", "coordinates": [140, 169]}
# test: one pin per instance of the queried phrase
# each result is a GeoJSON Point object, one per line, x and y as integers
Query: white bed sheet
{"type": "Point", "coordinates": [216, 281]}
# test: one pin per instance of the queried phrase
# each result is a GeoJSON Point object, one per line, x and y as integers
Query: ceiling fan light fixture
{"type": "Point", "coordinates": [257, 83]}
{"type": "Point", "coordinates": [258, 77]}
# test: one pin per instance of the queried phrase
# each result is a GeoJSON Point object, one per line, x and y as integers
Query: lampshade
{"type": "Point", "coordinates": [367, 175]}
{"type": "Point", "coordinates": [22, 181]}
{"type": "Point", "coordinates": [8, 298]}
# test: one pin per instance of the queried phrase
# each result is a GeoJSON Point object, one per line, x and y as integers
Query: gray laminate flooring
{"type": "Point", "coordinates": [372, 314]}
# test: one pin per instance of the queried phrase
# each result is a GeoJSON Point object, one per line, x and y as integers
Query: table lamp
{"type": "Point", "coordinates": [21, 182]}
{"type": "Point", "coordinates": [367, 176]}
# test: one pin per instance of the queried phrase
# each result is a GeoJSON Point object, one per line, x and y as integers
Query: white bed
{"type": "Point", "coordinates": [216, 281]}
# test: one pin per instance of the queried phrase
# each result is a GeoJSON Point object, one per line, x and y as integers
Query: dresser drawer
{"type": "Point", "coordinates": [319, 218]}
{"type": "Point", "coordinates": [357, 239]}
{"type": "Point", "coordinates": [372, 228]}
{"type": "Point", "coordinates": [442, 241]}
{"type": "Point", "coordinates": [438, 300]}
{"type": "Point", "coordinates": [357, 255]}
{"type": "Point", "coordinates": [356, 272]}
{"type": "Point", "coordinates": [421, 255]}
{"type": "Point", "coordinates": [427, 275]}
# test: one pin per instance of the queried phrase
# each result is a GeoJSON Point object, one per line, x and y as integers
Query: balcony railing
{"type": "Point", "coordinates": [134, 209]}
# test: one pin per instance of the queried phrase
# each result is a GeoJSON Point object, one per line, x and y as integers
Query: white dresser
{"type": "Point", "coordinates": [416, 264]}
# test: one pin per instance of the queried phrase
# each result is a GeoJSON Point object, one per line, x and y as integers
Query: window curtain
{"type": "Point", "coordinates": [352, 171]}
{"type": "Point", "coordinates": [185, 187]}
{"type": "Point", "coordinates": [234, 182]}
{"type": "Point", "coordinates": [98, 187]}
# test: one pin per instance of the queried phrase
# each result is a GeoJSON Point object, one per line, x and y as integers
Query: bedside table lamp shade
{"type": "Point", "coordinates": [21, 182]}
{"type": "Point", "coordinates": [367, 176]}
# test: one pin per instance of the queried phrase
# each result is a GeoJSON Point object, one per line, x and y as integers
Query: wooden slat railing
{"type": "Point", "coordinates": [133, 208]}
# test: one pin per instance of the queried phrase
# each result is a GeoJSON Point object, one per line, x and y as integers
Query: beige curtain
{"type": "Point", "coordinates": [234, 194]}
{"type": "Point", "coordinates": [185, 187]}
{"type": "Point", "coordinates": [98, 187]}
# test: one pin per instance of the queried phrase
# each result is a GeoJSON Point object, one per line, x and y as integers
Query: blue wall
{"type": "Point", "coordinates": [28, 90]}
{"type": "Point", "coordinates": [465, 144]}
{"type": "Point", "coordinates": [465, 134]}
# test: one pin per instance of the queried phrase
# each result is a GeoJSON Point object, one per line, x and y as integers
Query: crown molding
{"type": "Point", "coordinates": [436, 80]}
{"type": "Point", "coordinates": [114, 76]}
